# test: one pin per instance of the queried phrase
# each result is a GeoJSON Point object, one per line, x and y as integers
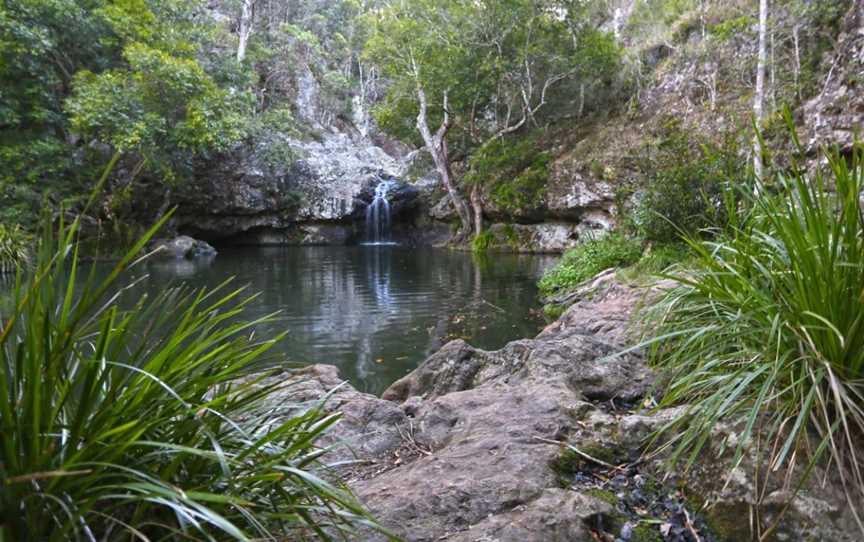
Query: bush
{"type": "Point", "coordinates": [587, 259]}
{"type": "Point", "coordinates": [144, 423]}
{"type": "Point", "coordinates": [686, 185]}
{"type": "Point", "coordinates": [514, 171]}
{"type": "Point", "coordinates": [767, 328]}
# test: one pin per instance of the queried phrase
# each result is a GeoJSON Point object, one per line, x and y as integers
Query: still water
{"type": "Point", "coordinates": [374, 311]}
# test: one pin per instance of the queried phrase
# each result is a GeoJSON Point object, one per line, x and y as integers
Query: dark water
{"type": "Point", "coordinates": [376, 312]}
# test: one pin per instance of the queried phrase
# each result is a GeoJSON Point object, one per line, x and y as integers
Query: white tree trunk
{"type": "Point", "coordinates": [437, 145]}
{"type": "Point", "coordinates": [245, 29]}
{"type": "Point", "coordinates": [759, 98]}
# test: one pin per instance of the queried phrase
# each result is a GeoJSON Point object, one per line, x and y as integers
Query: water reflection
{"type": "Point", "coordinates": [374, 311]}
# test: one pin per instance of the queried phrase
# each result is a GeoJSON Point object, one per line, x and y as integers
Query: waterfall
{"type": "Point", "coordinates": [378, 215]}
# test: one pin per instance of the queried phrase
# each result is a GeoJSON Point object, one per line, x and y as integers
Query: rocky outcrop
{"type": "Point", "coordinates": [541, 441]}
{"type": "Point", "coordinates": [323, 186]}
{"type": "Point", "coordinates": [836, 114]}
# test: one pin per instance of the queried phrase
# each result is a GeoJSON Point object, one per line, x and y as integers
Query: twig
{"type": "Point", "coordinates": [690, 527]}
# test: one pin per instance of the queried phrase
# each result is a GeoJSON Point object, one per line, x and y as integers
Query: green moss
{"type": "Point", "coordinates": [604, 495]}
{"type": "Point", "coordinates": [725, 522]}
{"type": "Point", "coordinates": [553, 311]}
{"type": "Point", "coordinates": [646, 532]}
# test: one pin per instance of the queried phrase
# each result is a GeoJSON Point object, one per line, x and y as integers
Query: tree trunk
{"type": "Point", "coordinates": [477, 206]}
{"type": "Point", "coordinates": [245, 28]}
{"type": "Point", "coordinates": [437, 145]}
{"type": "Point", "coordinates": [759, 98]}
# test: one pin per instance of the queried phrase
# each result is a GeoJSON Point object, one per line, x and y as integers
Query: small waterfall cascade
{"type": "Point", "coordinates": [378, 215]}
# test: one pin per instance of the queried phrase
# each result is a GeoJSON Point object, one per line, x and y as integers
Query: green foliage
{"type": "Point", "coordinates": [587, 259]}
{"type": "Point", "coordinates": [160, 105]}
{"type": "Point", "coordinates": [729, 28]}
{"type": "Point", "coordinates": [487, 59]}
{"type": "Point", "coordinates": [656, 260]}
{"type": "Point", "coordinates": [14, 248]}
{"type": "Point", "coordinates": [686, 185]}
{"type": "Point", "coordinates": [144, 423]}
{"type": "Point", "coordinates": [514, 171]}
{"type": "Point", "coordinates": [765, 328]}
{"type": "Point", "coordinates": [482, 242]}
{"type": "Point", "coordinates": [654, 20]}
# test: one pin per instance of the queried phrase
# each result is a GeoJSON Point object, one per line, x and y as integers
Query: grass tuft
{"type": "Point", "coordinates": [766, 328]}
{"type": "Point", "coordinates": [587, 259]}
{"type": "Point", "coordinates": [144, 424]}
{"type": "Point", "coordinates": [14, 249]}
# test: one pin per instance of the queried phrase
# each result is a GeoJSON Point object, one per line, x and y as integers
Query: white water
{"type": "Point", "coordinates": [378, 216]}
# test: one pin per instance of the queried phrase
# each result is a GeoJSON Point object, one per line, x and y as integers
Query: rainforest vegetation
{"type": "Point", "coordinates": [682, 144]}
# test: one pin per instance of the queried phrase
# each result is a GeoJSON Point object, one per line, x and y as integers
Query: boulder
{"type": "Point", "coordinates": [182, 247]}
{"type": "Point", "coordinates": [478, 446]}
{"type": "Point", "coordinates": [544, 237]}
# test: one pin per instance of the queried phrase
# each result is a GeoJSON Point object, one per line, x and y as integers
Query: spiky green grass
{"type": "Point", "coordinates": [14, 249]}
{"type": "Point", "coordinates": [143, 424]}
{"type": "Point", "coordinates": [767, 328]}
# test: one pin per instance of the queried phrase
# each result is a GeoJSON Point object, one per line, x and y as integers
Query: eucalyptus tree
{"type": "Point", "coordinates": [466, 72]}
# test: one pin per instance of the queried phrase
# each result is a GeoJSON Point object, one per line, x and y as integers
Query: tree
{"type": "Point", "coordinates": [157, 104]}
{"type": "Point", "coordinates": [759, 97]}
{"type": "Point", "coordinates": [477, 71]}
{"type": "Point", "coordinates": [245, 27]}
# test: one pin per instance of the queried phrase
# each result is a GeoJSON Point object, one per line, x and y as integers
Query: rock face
{"type": "Point", "coordinates": [836, 115]}
{"type": "Point", "coordinates": [323, 187]}
{"type": "Point", "coordinates": [471, 445]}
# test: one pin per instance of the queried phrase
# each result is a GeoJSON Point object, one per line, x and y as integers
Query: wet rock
{"type": "Point", "coordinates": [546, 237]}
{"type": "Point", "coordinates": [182, 247]}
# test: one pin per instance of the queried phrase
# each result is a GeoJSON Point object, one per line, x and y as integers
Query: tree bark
{"type": "Point", "coordinates": [759, 98]}
{"type": "Point", "coordinates": [437, 145]}
{"type": "Point", "coordinates": [245, 29]}
{"type": "Point", "coordinates": [477, 207]}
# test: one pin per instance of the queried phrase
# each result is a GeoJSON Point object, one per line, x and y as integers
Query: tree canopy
{"type": "Point", "coordinates": [479, 70]}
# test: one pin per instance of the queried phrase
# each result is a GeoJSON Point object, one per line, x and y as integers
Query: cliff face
{"type": "Point", "coordinates": [836, 114]}
{"type": "Point", "coordinates": [692, 76]}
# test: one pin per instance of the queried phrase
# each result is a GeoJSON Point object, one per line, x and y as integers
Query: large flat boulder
{"type": "Point", "coordinates": [478, 446]}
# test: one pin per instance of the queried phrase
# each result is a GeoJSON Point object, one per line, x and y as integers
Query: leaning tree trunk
{"type": "Point", "coordinates": [437, 145]}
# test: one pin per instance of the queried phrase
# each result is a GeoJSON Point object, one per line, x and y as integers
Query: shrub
{"type": "Point", "coordinates": [482, 242]}
{"type": "Point", "coordinates": [587, 259]}
{"type": "Point", "coordinates": [515, 171]}
{"type": "Point", "coordinates": [767, 328]}
{"type": "Point", "coordinates": [686, 185]}
{"type": "Point", "coordinates": [143, 423]}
